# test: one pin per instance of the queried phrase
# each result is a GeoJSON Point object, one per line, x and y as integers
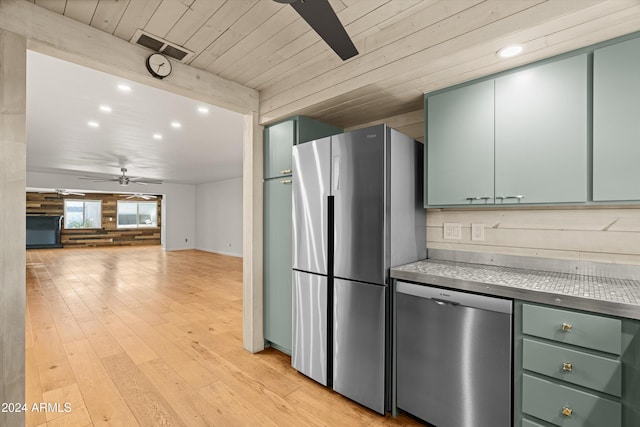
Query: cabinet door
{"type": "Point", "coordinates": [277, 262]}
{"type": "Point", "coordinates": [541, 133]}
{"type": "Point", "coordinates": [459, 154]}
{"type": "Point", "coordinates": [309, 129]}
{"type": "Point", "coordinates": [616, 110]}
{"type": "Point", "coordinates": [279, 139]}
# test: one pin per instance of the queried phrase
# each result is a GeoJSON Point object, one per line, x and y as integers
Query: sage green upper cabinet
{"type": "Point", "coordinates": [459, 154]}
{"type": "Point", "coordinates": [541, 133]}
{"type": "Point", "coordinates": [616, 118]}
{"type": "Point", "coordinates": [519, 138]}
{"type": "Point", "coordinates": [279, 140]}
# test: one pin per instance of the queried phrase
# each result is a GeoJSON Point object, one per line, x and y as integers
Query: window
{"type": "Point", "coordinates": [82, 213]}
{"type": "Point", "coordinates": [137, 214]}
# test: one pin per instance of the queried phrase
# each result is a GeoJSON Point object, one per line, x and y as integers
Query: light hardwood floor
{"type": "Point", "coordinates": [139, 336]}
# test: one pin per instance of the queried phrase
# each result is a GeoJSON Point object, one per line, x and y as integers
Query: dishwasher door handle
{"type": "Point", "coordinates": [445, 302]}
{"type": "Point", "coordinates": [465, 299]}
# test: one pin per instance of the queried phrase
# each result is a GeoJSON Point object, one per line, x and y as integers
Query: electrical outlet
{"type": "Point", "coordinates": [452, 231]}
{"type": "Point", "coordinates": [477, 231]}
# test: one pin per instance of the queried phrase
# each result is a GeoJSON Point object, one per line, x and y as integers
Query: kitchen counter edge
{"type": "Point", "coordinates": [611, 308]}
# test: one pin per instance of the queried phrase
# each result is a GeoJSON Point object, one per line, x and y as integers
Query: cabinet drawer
{"type": "Point", "coordinates": [529, 423]}
{"type": "Point", "coordinates": [584, 330]}
{"type": "Point", "coordinates": [547, 401]}
{"type": "Point", "coordinates": [588, 370]}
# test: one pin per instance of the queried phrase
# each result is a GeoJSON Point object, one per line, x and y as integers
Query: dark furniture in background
{"type": "Point", "coordinates": [43, 231]}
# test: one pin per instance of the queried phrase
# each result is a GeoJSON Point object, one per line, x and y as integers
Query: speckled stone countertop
{"type": "Point", "coordinates": [616, 297]}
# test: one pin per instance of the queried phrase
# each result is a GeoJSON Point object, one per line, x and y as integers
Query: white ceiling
{"type": "Point", "coordinates": [63, 97]}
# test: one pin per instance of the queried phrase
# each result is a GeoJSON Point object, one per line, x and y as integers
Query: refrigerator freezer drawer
{"type": "Point", "coordinates": [359, 343]}
{"type": "Point", "coordinates": [309, 346]}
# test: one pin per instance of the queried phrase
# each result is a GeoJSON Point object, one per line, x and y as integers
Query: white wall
{"type": "Point", "coordinates": [219, 217]}
{"type": "Point", "coordinates": [178, 214]}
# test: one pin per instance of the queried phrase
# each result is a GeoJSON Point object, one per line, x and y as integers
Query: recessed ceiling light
{"type": "Point", "coordinates": [157, 136]}
{"type": "Point", "coordinates": [203, 110]}
{"type": "Point", "coordinates": [105, 108]}
{"type": "Point", "coordinates": [176, 125]}
{"type": "Point", "coordinates": [510, 51]}
{"type": "Point", "coordinates": [124, 88]}
{"type": "Point", "coordinates": [93, 124]}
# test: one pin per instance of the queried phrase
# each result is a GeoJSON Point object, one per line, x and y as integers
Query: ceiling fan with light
{"type": "Point", "coordinates": [323, 19]}
{"type": "Point", "coordinates": [123, 179]}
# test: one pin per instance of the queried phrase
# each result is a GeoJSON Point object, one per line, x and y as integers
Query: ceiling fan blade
{"type": "Point", "coordinates": [322, 18]}
{"type": "Point", "coordinates": [138, 196]}
{"type": "Point", "coordinates": [96, 179]}
{"type": "Point", "coordinates": [145, 181]}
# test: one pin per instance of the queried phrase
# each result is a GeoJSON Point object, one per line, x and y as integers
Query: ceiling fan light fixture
{"type": "Point", "coordinates": [510, 51]}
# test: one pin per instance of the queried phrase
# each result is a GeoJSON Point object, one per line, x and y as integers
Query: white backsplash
{"type": "Point", "coordinates": [601, 234]}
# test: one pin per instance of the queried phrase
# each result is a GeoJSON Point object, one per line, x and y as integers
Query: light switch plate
{"type": "Point", "coordinates": [477, 231]}
{"type": "Point", "coordinates": [452, 231]}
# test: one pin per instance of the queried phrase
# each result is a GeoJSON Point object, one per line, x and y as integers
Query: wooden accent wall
{"type": "Point", "coordinates": [108, 235]}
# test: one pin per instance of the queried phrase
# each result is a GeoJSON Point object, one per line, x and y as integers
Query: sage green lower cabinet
{"type": "Point", "coordinates": [529, 423]}
{"type": "Point", "coordinates": [277, 256]}
{"type": "Point", "coordinates": [616, 110]}
{"type": "Point", "coordinates": [574, 368]}
{"type": "Point", "coordinates": [570, 327]}
{"type": "Point", "coordinates": [566, 406]}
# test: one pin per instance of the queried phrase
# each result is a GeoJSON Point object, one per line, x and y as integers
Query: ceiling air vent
{"type": "Point", "coordinates": [161, 45]}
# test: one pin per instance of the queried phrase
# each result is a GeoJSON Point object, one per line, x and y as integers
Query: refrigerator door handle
{"type": "Point", "coordinates": [336, 174]}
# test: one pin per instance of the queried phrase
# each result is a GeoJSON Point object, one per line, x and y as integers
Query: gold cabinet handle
{"type": "Point", "coordinates": [566, 327]}
{"type": "Point", "coordinates": [566, 411]}
{"type": "Point", "coordinates": [285, 171]}
{"type": "Point", "coordinates": [567, 366]}
{"type": "Point", "coordinates": [285, 181]}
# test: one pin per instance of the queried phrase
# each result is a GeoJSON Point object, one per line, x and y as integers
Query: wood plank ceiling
{"type": "Point", "coordinates": [407, 47]}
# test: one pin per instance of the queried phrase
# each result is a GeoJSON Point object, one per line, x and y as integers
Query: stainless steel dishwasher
{"type": "Point", "coordinates": [454, 358]}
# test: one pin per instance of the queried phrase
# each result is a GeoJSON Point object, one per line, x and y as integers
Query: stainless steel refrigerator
{"type": "Point", "coordinates": [357, 211]}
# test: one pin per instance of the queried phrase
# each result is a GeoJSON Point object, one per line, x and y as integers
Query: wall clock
{"type": "Point", "coordinates": [158, 65]}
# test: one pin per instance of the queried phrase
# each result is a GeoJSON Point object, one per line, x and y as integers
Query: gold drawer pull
{"type": "Point", "coordinates": [285, 181]}
{"type": "Point", "coordinates": [285, 171]}
{"type": "Point", "coordinates": [566, 327]}
{"type": "Point", "coordinates": [566, 411]}
{"type": "Point", "coordinates": [567, 366]}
